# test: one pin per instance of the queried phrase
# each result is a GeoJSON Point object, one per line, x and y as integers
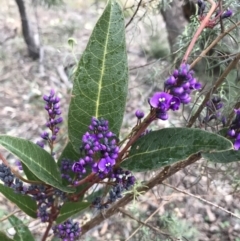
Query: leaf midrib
{"type": "Point", "coordinates": [103, 68]}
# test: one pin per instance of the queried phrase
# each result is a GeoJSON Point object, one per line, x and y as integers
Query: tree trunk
{"type": "Point", "coordinates": [175, 21]}
{"type": "Point", "coordinates": [33, 48]}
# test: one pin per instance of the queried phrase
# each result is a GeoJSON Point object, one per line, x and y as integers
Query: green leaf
{"type": "Point", "coordinates": [223, 131]}
{"type": "Point", "coordinates": [223, 156]}
{"type": "Point", "coordinates": [29, 174]}
{"type": "Point", "coordinates": [4, 237]}
{"type": "Point", "coordinates": [69, 153]}
{"type": "Point", "coordinates": [25, 203]}
{"type": "Point", "coordinates": [69, 209]}
{"type": "Point", "coordinates": [170, 145]}
{"type": "Point", "coordinates": [22, 231]}
{"type": "Point", "coordinates": [100, 85]}
{"type": "Point", "coordinates": [37, 160]}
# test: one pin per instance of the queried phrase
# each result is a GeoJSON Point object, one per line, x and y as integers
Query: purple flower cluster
{"type": "Point", "coordinates": [53, 108]}
{"type": "Point", "coordinates": [123, 180]}
{"type": "Point", "coordinates": [10, 180]}
{"type": "Point", "coordinates": [38, 193]}
{"type": "Point", "coordinates": [213, 112]}
{"type": "Point", "coordinates": [234, 131]}
{"type": "Point", "coordinates": [177, 90]}
{"type": "Point", "coordinates": [68, 231]}
{"type": "Point", "coordinates": [45, 201]}
{"type": "Point", "coordinates": [100, 149]}
{"type": "Point", "coordinates": [66, 169]}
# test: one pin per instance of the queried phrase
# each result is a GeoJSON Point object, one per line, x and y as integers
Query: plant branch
{"type": "Point", "coordinates": [216, 85]}
{"type": "Point", "coordinates": [133, 16]}
{"type": "Point", "coordinates": [156, 211]}
{"type": "Point", "coordinates": [202, 199]}
{"type": "Point", "coordinates": [205, 51]}
{"type": "Point", "coordinates": [199, 30]}
{"type": "Point", "coordinates": [158, 179]}
{"type": "Point", "coordinates": [142, 223]}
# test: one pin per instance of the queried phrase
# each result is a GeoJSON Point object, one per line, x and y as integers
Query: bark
{"type": "Point", "coordinates": [175, 21]}
{"type": "Point", "coordinates": [33, 48]}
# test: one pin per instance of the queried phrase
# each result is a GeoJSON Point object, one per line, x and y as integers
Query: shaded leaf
{"type": "Point", "coordinates": [223, 131]}
{"type": "Point", "coordinates": [25, 203]}
{"type": "Point", "coordinates": [100, 85]}
{"type": "Point", "coordinates": [22, 231]}
{"type": "Point", "coordinates": [4, 237]}
{"type": "Point", "coordinates": [69, 209]}
{"type": "Point", "coordinates": [29, 174]}
{"type": "Point", "coordinates": [69, 153]}
{"type": "Point", "coordinates": [37, 160]}
{"type": "Point", "coordinates": [170, 145]}
{"type": "Point", "coordinates": [223, 156]}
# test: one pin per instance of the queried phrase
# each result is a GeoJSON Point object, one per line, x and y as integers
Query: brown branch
{"type": "Point", "coordinates": [142, 223]}
{"type": "Point", "coordinates": [199, 30]}
{"type": "Point", "coordinates": [216, 85]}
{"type": "Point", "coordinates": [205, 51]}
{"type": "Point", "coordinates": [202, 199]}
{"type": "Point", "coordinates": [158, 179]}
{"type": "Point", "coordinates": [133, 16]}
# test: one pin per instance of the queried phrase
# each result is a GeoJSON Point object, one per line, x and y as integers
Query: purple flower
{"type": "Point", "coordinates": [162, 115]}
{"type": "Point", "coordinates": [237, 143]}
{"type": "Point", "coordinates": [68, 231]}
{"type": "Point", "coordinates": [161, 100]}
{"type": "Point", "coordinates": [104, 166]}
{"type": "Point", "coordinates": [139, 114]}
{"type": "Point", "coordinates": [227, 14]}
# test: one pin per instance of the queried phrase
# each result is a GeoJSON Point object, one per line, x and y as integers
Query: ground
{"type": "Point", "coordinates": [24, 81]}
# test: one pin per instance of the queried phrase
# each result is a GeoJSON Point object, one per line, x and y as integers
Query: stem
{"type": "Point", "coordinates": [44, 238]}
{"type": "Point", "coordinates": [216, 85]}
{"type": "Point", "coordinates": [199, 30]}
{"type": "Point", "coordinates": [205, 51]}
{"type": "Point", "coordinates": [138, 6]}
{"type": "Point", "coordinates": [158, 179]}
{"type": "Point", "coordinates": [136, 133]}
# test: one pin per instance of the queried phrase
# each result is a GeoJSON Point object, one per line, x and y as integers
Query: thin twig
{"type": "Point", "coordinates": [205, 51]}
{"type": "Point", "coordinates": [201, 199]}
{"type": "Point", "coordinates": [155, 212]}
{"type": "Point", "coordinates": [133, 16]}
{"type": "Point", "coordinates": [212, 90]}
{"type": "Point", "coordinates": [9, 215]}
{"type": "Point", "coordinates": [142, 223]}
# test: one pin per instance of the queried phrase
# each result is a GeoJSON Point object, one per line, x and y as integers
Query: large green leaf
{"type": "Point", "coordinates": [25, 203]}
{"type": "Point", "coordinates": [69, 209]}
{"type": "Point", "coordinates": [37, 160]}
{"type": "Point", "coordinates": [22, 231]}
{"type": "Point", "coordinates": [100, 85]}
{"type": "Point", "coordinates": [223, 156]}
{"type": "Point", "coordinates": [4, 237]}
{"type": "Point", "coordinates": [170, 145]}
